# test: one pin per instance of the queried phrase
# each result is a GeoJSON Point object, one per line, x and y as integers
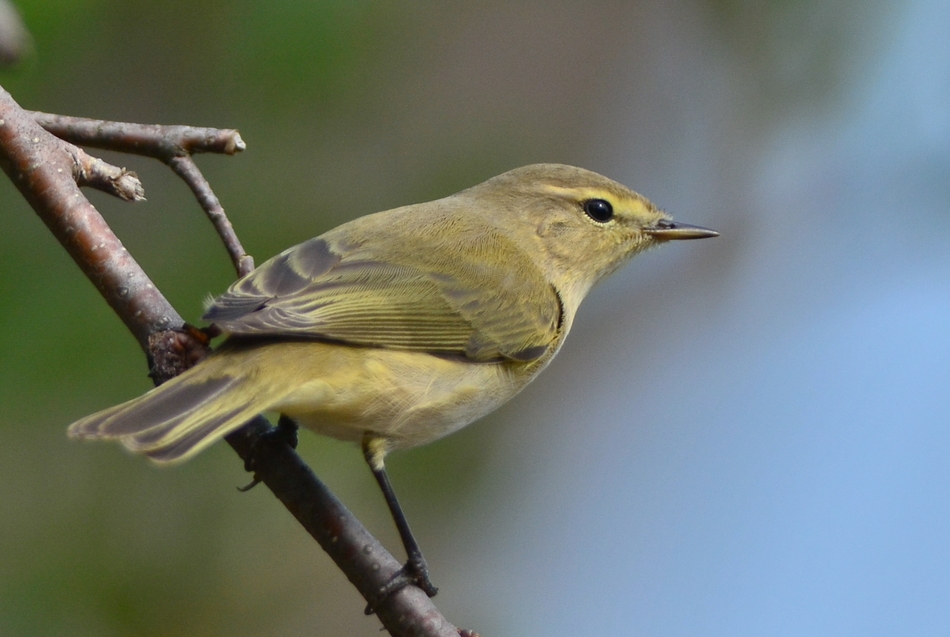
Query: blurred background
{"type": "Point", "coordinates": [743, 436]}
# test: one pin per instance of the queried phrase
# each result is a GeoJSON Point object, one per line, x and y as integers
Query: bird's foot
{"type": "Point", "coordinates": [414, 572]}
{"type": "Point", "coordinates": [284, 433]}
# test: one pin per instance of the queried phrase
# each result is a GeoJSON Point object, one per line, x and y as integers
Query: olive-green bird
{"type": "Point", "coordinates": [400, 327]}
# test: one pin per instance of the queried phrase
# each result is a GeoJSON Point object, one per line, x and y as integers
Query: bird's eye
{"type": "Point", "coordinates": [599, 210]}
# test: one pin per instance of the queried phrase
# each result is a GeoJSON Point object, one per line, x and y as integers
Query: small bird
{"type": "Point", "coordinates": [400, 327]}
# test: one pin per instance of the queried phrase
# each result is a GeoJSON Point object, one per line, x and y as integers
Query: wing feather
{"type": "Point", "coordinates": [481, 297]}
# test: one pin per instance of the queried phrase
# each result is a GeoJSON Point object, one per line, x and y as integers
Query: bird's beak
{"type": "Point", "coordinates": [667, 230]}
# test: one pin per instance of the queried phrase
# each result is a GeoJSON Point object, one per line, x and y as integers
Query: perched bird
{"type": "Point", "coordinates": [400, 327]}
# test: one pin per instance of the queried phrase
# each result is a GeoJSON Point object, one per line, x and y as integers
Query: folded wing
{"type": "Point", "coordinates": [481, 298]}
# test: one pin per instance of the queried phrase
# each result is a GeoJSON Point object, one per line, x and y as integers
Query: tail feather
{"type": "Point", "coordinates": [180, 418]}
{"type": "Point", "coordinates": [173, 400]}
{"type": "Point", "coordinates": [173, 442]}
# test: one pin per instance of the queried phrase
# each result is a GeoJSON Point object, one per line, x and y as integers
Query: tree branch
{"type": "Point", "coordinates": [172, 145]}
{"type": "Point", "coordinates": [42, 167]}
{"type": "Point", "coordinates": [150, 140]}
{"type": "Point", "coordinates": [47, 171]}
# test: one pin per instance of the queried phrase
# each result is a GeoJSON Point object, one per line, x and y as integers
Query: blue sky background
{"type": "Point", "coordinates": [771, 456]}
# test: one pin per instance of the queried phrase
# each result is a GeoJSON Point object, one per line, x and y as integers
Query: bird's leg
{"type": "Point", "coordinates": [284, 433]}
{"type": "Point", "coordinates": [415, 571]}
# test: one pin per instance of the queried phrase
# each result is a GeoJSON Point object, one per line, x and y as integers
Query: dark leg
{"type": "Point", "coordinates": [415, 571]}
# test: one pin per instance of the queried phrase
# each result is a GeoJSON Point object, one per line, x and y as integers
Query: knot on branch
{"type": "Point", "coordinates": [173, 351]}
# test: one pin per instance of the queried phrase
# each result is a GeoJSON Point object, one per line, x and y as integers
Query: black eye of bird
{"type": "Point", "coordinates": [599, 210]}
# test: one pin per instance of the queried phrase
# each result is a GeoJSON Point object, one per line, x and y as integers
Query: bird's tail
{"type": "Point", "coordinates": [186, 414]}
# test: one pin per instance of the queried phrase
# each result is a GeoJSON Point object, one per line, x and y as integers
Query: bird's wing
{"type": "Point", "coordinates": [483, 299]}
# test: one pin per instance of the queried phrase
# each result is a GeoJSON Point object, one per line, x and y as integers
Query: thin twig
{"type": "Point", "coordinates": [42, 167]}
{"type": "Point", "coordinates": [173, 145]}
{"type": "Point", "coordinates": [184, 166]}
{"type": "Point", "coordinates": [95, 173]}
{"type": "Point", "coordinates": [150, 140]}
